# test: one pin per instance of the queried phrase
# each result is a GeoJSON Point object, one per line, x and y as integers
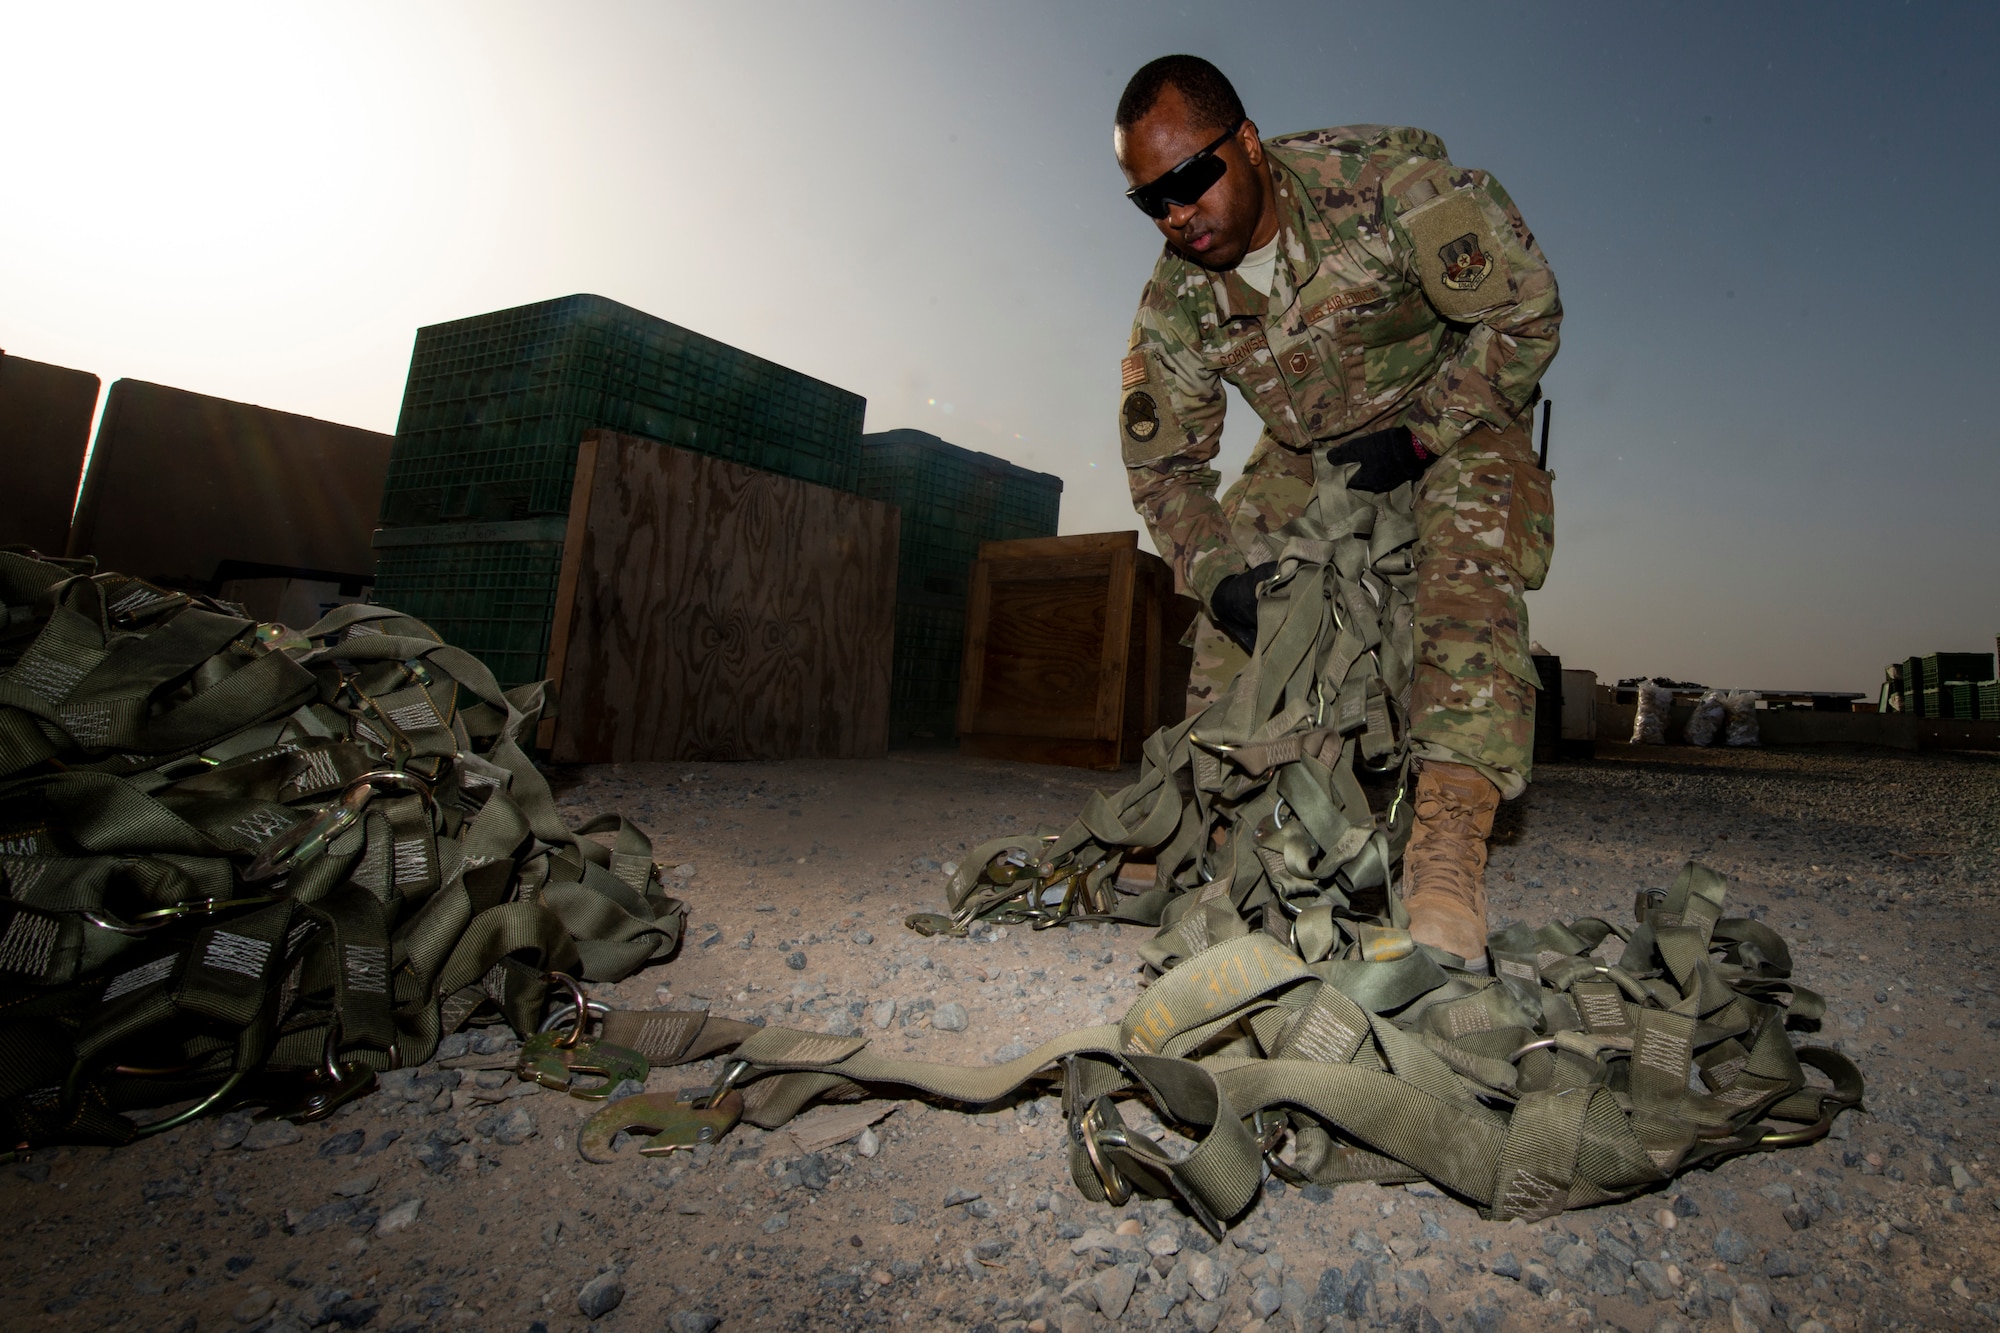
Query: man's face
{"type": "Point", "coordinates": [1235, 216]}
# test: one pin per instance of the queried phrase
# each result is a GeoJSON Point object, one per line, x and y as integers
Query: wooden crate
{"type": "Point", "coordinates": [1072, 651]}
{"type": "Point", "coordinates": [708, 610]}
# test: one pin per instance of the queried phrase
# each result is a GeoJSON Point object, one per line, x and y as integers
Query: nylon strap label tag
{"type": "Point", "coordinates": [1213, 982]}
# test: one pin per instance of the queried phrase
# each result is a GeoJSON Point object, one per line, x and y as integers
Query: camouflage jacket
{"type": "Point", "coordinates": [1407, 290]}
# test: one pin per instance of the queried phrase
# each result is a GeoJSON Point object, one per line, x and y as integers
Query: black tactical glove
{"type": "Point", "coordinates": [1388, 458]}
{"type": "Point", "coordinates": [1233, 608]}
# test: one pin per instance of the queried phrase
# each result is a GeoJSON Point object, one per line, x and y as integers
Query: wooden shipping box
{"type": "Point", "coordinates": [1072, 651]}
{"type": "Point", "coordinates": [711, 611]}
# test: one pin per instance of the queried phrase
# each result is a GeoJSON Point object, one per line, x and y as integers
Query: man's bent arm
{"type": "Point", "coordinates": [1169, 429]}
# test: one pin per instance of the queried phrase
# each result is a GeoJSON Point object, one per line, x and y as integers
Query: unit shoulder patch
{"type": "Point", "coordinates": [1459, 260]}
{"type": "Point", "coordinates": [1142, 418]}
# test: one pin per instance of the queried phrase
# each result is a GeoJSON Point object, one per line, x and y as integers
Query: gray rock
{"type": "Point", "coordinates": [1112, 1288]}
{"type": "Point", "coordinates": [355, 1186]}
{"type": "Point", "coordinates": [1952, 1078]}
{"type": "Point", "coordinates": [1754, 1301]}
{"type": "Point", "coordinates": [1507, 1266]}
{"type": "Point", "coordinates": [1208, 1279]}
{"type": "Point", "coordinates": [863, 938]}
{"type": "Point", "coordinates": [1783, 1263]}
{"type": "Point", "coordinates": [796, 960]}
{"type": "Point", "coordinates": [600, 1296]}
{"type": "Point", "coordinates": [322, 1217]}
{"type": "Point", "coordinates": [512, 1129]}
{"type": "Point", "coordinates": [267, 1134]}
{"type": "Point", "coordinates": [882, 1013]}
{"type": "Point", "coordinates": [1203, 1316]}
{"type": "Point", "coordinates": [902, 1213]}
{"type": "Point", "coordinates": [1961, 1179]}
{"type": "Point", "coordinates": [1730, 1246]}
{"type": "Point", "coordinates": [399, 1217]}
{"type": "Point", "coordinates": [776, 1222]}
{"type": "Point", "coordinates": [1797, 1218]}
{"type": "Point", "coordinates": [868, 1143]}
{"type": "Point", "coordinates": [951, 1017]}
{"type": "Point", "coordinates": [694, 1321]}
{"type": "Point", "coordinates": [1573, 1259]}
{"type": "Point", "coordinates": [980, 1209]}
{"type": "Point", "coordinates": [1654, 1279]}
{"type": "Point", "coordinates": [1266, 1300]}
{"type": "Point", "coordinates": [342, 1145]}
{"type": "Point", "coordinates": [1163, 1241]}
{"type": "Point", "coordinates": [230, 1130]}
{"type": "Point", "coordinates": [959, 1196]}
{"type": "Point", "coordinates": [253, 1306]}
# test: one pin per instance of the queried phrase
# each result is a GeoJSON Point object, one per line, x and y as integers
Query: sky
{"type": "Point", "coordinates": [1772, 226]}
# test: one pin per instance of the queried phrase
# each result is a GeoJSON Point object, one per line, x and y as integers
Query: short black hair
{"type": "Point", "coordinates": [1209, 94]}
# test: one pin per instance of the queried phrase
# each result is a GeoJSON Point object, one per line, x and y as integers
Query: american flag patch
{"type": "Point", "coordinates": [1132, 372]}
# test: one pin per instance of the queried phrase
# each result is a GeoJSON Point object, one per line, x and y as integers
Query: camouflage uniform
{"type": "Point", "coordinates": [1408, 291]}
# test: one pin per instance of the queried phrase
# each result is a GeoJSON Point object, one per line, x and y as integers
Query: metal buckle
{"type": "Point", "coordinates": [147, 922]}
{"type": "Point", "coordinates": [1846, 1092]}
{"type": "Point", "coordinates": [1117, 1190]}
{"type": "Point", "coordinates": [674, 1125]}
{"type": "Point", "coordinates": [309, 837]}
{"type": "Point", "coordinates": [318, 1093]}
{"type": "Point", "coordinates": [731, 1072]}
{"type": "Point", "coordinates": [1270, 1138]}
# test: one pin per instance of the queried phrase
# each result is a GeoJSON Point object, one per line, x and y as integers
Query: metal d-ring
{"type": "Point", "coordinates": [579, 1001]}
{"type": "Point", "coordinates": [307, 838]}
{"type": "Point", "coordinates": [1116, 1188]}
{"type": "Point", "coordinates": [148, 922]}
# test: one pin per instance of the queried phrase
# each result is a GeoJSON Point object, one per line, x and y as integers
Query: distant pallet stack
{"type": "Point", "coordinates": [952, 501]}
{"type": "Point", "coordinates": [493, 411]}
{"type": "Point", "coordinates": [1945, 685]}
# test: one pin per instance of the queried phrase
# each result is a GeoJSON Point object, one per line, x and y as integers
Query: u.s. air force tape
{"type": "Point", "coordinates": [1460, 261]}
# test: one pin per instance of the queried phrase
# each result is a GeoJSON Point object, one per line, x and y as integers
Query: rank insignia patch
{"type": "Point", "coordinates": [1142, 417]}
{"type": "Point", "coordinates": [1465, 264]}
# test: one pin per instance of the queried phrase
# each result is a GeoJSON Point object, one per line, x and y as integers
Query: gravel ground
{"type": "Point", "coordinates": [456, 1198]}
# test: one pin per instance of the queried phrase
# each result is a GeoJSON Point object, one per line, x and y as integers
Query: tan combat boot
{"type": "Point", "coordinates": [1444, 869]}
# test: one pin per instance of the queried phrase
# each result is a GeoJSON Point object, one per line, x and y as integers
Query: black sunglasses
{"type": "Point", "coordinates": [1185, 183]}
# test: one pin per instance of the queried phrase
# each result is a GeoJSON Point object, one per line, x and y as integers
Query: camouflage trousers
{"type": "Point", "coordinates": [1486, 527]}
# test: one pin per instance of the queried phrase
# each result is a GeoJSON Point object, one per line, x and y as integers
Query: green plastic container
{"type": "Point", "coordinates": [1941, 669]}
{"type": "Point", "coordinates": [952, 500]}
{"type": "Point", "coordinates": [923, 675]}
{"type": "Point", "coordinates": [1989, 701]}
{"type": "Point", "coordinates": [495, 406]}
{"type": "Point", "coordinates": [489, 588]}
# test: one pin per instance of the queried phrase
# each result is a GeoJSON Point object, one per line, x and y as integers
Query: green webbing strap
{"type": "Point", "coordinates": [263, 850]}
{"type": "Point", "coordinates": [1559, 1083]}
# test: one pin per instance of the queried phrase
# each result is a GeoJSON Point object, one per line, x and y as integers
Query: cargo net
{"type": "Point", "coordinates": [246, 865]}
{"type": "Point", "coordinates": [1295, 1029]}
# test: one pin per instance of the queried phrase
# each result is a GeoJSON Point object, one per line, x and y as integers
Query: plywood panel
{"type": "Point", "coordinates": [45, 416]}
{"type": "Point", "coordinates": [191, 489]}
{"type": "Point", "coordinates": [713, 611]}
{"type": "Point", "coordinates": [1071, 650]}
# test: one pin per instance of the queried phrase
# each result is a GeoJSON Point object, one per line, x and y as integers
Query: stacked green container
{"type": "Point", "coordinates": [1989, 701]}
{"type": "Point", "coordinates": [952, 499]}
{"type": "Point", "coordinates": [495, 405]}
